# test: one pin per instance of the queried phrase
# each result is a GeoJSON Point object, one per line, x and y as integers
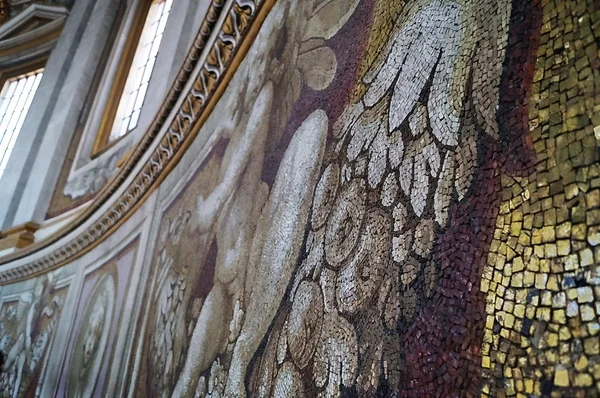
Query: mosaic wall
{"type": "Point", "coordinates": [62, 330]}
{"type": "Point", "coordinates": [98, 318]}
{"type": "Point", "coordinates": [27, 330]}
{"type": "Point", "coordinates": [396, 199]}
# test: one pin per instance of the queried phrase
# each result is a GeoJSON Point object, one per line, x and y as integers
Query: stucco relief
{"type": "Point", "coordinates": [93, 177]}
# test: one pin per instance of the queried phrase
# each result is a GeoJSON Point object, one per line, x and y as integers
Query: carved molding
{"type": "Point", "coordinates": [92, 180]}
{"type": "Point", "coordinates": [37, 28]}
{"type": "Point", "coordinates": [15, 7]}
{"type": "Point", "coordinates": [231, 40]}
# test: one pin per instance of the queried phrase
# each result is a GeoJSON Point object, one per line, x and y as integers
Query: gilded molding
{"type": "Point", "coordinates": [234, 36]}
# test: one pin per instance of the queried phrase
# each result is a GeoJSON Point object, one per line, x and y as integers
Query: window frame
{"type": "Point", "coordinates": [102, 142]}
{"type": "Point", "coordinates": [22, 69]}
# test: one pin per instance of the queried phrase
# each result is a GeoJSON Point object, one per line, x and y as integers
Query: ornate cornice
{"type": "Point", "coordinates": [225, 36]}
{"type": "Point", "coordinates": [19, 42]}
{"type": "Point", "coordinates": [13, 8]}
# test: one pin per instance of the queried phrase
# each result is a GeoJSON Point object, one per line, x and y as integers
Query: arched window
{"type": "Point", "coordinates": [15, 99]}
{"type": "Point", "coordinates": [121, 117]}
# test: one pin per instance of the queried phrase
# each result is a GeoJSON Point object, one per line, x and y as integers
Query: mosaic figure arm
{"type": "Point", "coordinates": [206, 341]}
{"type": "Point", "coordinates": [234, 232]}
{"type": "Point", "coordinates": [213, 321]}
{"type": "Point", "coordinates": [277, 242]}
{"type": "Point", "coordinates": [208, 209]}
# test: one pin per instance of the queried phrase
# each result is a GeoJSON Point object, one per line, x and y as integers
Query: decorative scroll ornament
{"type": "Point", "coordinates": [208, 83]}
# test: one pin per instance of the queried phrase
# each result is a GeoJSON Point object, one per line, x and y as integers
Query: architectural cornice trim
{"type": "Point", "coordinates": [225, 36]}
{"type": "Point", "coordinates": [37, 38]}
{"type": "Point", "coordinates": [35, 10]}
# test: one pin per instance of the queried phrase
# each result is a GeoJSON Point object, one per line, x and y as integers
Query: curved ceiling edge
{"type": "Point", "coordinates": [229, 28]}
